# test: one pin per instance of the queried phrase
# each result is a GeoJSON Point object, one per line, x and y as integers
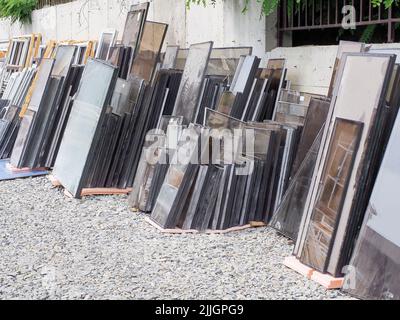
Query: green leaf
{"type": "Point", "coordinates": [17, 10]}
{"type": "Point", "coordinates": [368, 33]}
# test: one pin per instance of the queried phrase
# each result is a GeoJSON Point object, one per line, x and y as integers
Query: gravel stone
{"type": "Point", "coordinates": [53, 247]}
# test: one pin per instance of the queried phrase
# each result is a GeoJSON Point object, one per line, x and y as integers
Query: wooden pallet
{"type": "Point", "coordinates": [257, 224]}
{"type": "Point", "coordinates": [325, 280]}
{"type": "Point", "coordinates": [90, 191]}
{"type": "Point", "coordinates": [17, 170]}
{"type": "Point", "coordinates": [171, 231]}
{"type": "Point", "coordinates": [54, 181]}
{"type": "Point", "coordinates": [181, 231]}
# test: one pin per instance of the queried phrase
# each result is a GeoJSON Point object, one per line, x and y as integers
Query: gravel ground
{"type": "Point", "coordinates": [52, 247]}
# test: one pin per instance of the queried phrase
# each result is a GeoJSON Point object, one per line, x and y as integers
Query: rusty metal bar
{"type": "Point", "coordinates": [320, 13]}
{"type": "Point", "coordinates": [44, 3]}
{"type": "Point", "coordinates": [284, 15]}
{"type": "Point", "coordinates": [308, 24]}
{"type": "Point", "coordinates": [379, 12]}
{"type": "Point", "coordinates": [370, 11]}
{"type": "Point", "coordinates": [298, 15]}
{"type": "Point", "coordinates": [338, 25]}
{"type": "Point", "coordinates": [336, 12]}
{"type": "Point", "coordinates": [313, 12]}
{"type": "Point", "coordinates": [279, 23]}
{"type": "Point", "coordinates": [292, 15]}
{"type": "Point", "coordinates": [390, 26]}
{"type": "Point", "coordinates": [329, 11]}
{"type": "Point", "coordinates": [306, 13]}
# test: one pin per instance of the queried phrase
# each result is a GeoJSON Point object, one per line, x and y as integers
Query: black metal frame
{"type": "Point", "coordinates": [311, 15]}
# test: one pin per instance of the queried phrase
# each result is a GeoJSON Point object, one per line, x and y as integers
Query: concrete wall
{"type": "Point", "coordinates": [85, 19]}
{"type": "Point", "coordinates": [309, 68]}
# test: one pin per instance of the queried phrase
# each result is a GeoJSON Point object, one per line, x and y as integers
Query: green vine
{"type": "Point", "coordinates": [17, 10]}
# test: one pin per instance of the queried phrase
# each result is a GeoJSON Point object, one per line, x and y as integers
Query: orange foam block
{"type": "Point", "coordinates": [293, 263]}
{"type": "Point", "coordinates": [327, 281]}
{"type": "Point", "coordinates": [171, 231]}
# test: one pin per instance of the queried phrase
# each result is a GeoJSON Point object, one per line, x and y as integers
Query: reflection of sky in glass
{"type": "Point", "coordinates": [385, 197]}
{"type": "Point", "coordinates": [63, 58]}
{"type": "Point", "coordinates": [149, 49]}
{"type": "Point", "coordinates": [82, 124]}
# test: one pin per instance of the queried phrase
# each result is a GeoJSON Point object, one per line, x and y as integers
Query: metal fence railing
{"type": "Point", "coordinates": [47, 3]}
{"type": "Point", "coordinates": [322, 14]}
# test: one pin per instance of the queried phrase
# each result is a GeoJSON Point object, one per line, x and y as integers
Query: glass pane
{"type": "Point", "coordinates": [170, 56]}
{"type": "Point", "coordinates": [224, 61]}
{"type": "Point", "coordinates": [192, 81]}
{"type": "Point", "coordinates": [316, 117]}
{"type": "Point", "coordinates": [375, 267]}
{"type": "Point", "coordinates": [63, 60]}
{"type": "Point", "coordinates": [288, 215]}
{"type": "Point", "coordinates": [341, 153]}
{"type": "Point", "coordinates": [41, 79]}
{"type": "Point", "coordinates": [149, 50]}
{"type": "Point", "coordinates": [79, 135]}
{"type": "Point", "coordinates": [133, 26]}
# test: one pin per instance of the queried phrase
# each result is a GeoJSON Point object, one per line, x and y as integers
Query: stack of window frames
{"type": "Point", "coordinates": [84, 125]}
{"type": "Point", "coordinates": [180, 200]}
{"type": "Point", "coordinates": [153, 162]}
{"type": "Point", "coordinates": [242, 84]}
{"type": "Point", "coordinates": [224, 61]}
{"type": "Point", "coordinates": [221, 69]}
{"type": "Point", "coordinates": [142, 116]}
{"type": "Point", "coordinates": [154, 99]}
{"type": "Point", "coordinates": [21, 53]}
{"type": "Point", "coordinates": [122, 55]}
{"type": "Point", "coordinates": [373, 157]}
{"type": "Point", "coordinates": [292, 107]}
{"type": "Point", "coordinates": [375, 265]}
{"type": "Point", "coordinates": [214, 86]}
{"type": "Point", "coordinates": [288, 214]}
{"type": "Point", "coordinates": [26, 131]}
{"type": "Point", "coordinates": [44, 115]}
{"type": "Point", "coordinates": [166, 211]}
{"type": "Point", "coordinates": [13, 98]}
{"type": "Point", "coordinates": [136, 107]}
{"type": "Point", "coordinates": [53, 139]}
{"type": "Point", "coordinates": [226, 193]}
{"type": "Point", "coordinates": [255, 90]}
{"type": "Point", "coordinates": [328, 222]}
